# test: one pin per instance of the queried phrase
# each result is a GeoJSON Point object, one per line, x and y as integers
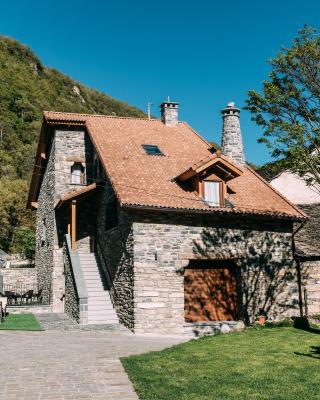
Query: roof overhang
{"type": "Point", "coordinates": [216, 212]}
{"type": "Point", "coordinates": [79, 194]}
{"type": "Point", "coordinates": [215, 162]}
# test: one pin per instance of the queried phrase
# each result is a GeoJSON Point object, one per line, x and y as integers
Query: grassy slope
{"type": "Point", "coordinates": [27, 88]}
{"type": "Point", "coordinates": [279, 363]}
{"type": "Point", "coordinates": [20, 322]}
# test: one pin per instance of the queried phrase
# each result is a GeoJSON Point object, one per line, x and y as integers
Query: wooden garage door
{"type": "Point", "coordinates": [210, 294]}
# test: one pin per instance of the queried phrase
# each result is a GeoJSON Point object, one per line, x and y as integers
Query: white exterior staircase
{"type": "Point", "coordinates": [100, 308]}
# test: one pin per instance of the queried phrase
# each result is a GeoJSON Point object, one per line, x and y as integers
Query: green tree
{"type": "Point", "coordinates": [288, 109]}
{"type": "Point", "coordinates": [27, 88]}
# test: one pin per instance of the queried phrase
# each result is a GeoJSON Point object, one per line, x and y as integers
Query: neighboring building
{"type": "Point", "coordinates": [307, 240]}
{"type": "Point", "coordinates": [166, 234]}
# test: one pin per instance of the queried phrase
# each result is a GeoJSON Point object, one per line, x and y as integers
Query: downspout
{"type": "Point", "coordinates": [298, 264]}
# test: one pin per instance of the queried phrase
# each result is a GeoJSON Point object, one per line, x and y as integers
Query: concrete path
{"type": "Point", "coordinates": [71, 364]}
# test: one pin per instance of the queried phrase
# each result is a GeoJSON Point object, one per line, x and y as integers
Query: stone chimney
{"type": "Point", "coordinates": [231, 141]}
{"type": "Point", "coordinates": [169, 113]}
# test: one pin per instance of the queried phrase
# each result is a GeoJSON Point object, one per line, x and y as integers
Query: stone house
{"type": "Point", "coordinates": [307, 239]}
{"type": "Point", "coordinates": [141, 221]}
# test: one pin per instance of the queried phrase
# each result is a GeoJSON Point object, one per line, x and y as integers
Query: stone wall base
{"type": "Point", "coordinates": [198, 329]}
{"type": "Point", "coordinates": [31, 309]}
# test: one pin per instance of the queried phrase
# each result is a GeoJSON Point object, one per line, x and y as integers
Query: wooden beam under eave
{"type": "Point", "coordinates": [73, 224]}
{"type": "Point", "coordinates": [34, 204]}
{"type": "Point", "coordinates": [43, 156]}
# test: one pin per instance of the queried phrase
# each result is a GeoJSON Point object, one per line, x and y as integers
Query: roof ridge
{"type": "Point", "coordinates": [276, 191]}
{"type": "Point", "coordinates": [195, 132]}
{"type": "Point", "coordinates": [45, 112]}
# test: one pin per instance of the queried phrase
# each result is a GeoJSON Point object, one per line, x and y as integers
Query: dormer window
{"type": "Point", "coordinates": [212, 193]}
{"type": "Point", "coordinates": [77, 174]}
{"type": "Point", "coordinates": [209, 178]}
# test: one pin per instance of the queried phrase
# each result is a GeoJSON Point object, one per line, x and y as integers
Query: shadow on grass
{"type": "Point", "coordinates": [303, 324]}
{"type": "Point", "coordinates": [313, 353]}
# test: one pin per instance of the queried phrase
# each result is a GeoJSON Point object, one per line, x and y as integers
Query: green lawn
{"type": "Point", "coordinates": [20, 322]}
{"type": "Point", "coordinates": [275, 363]}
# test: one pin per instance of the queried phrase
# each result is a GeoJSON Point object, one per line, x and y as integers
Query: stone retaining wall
{"type": "Point", "coordinates": [19, 276]}
{"type": "Point", "coordinates": [71, 308]}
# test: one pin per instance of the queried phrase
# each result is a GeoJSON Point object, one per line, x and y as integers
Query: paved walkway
{"type": "Point", "coordinates": [73, 364]}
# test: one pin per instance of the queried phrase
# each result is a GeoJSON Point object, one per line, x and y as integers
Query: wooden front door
{"type": "Point", "coordinates": [210, 294]}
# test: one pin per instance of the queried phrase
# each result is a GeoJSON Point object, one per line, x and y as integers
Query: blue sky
{"type": "Point", "coordinates": [200, 53]}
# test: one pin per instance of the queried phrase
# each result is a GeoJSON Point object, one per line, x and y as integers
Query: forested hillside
{"type": "Point", "coordinates": [27, 88]}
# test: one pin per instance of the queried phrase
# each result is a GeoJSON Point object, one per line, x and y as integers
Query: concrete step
{"type": "Point", "coordinates": [100, 305]}
{"type": "Point", "coordinates": [92, 279]}
{"type": "Point", "coordinates": [94, 322]}
{"type": "Point", "coordinates": [99, 301]}
{"type": "Point", "coordinates": [101, 314]}
{"type": "Point", "coordinates": [92, 287]}
{"type": "Point", "coordinates": [96, 294]}
{"type": "Point", "coordinates": [100, 308]}
{"type": "Point", "coordinates": [89, 266]}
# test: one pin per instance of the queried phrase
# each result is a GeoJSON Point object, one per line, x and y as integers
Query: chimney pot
{"type": "Point", "coordinates": [169, 112]}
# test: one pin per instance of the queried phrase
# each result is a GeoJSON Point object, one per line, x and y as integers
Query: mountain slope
{"type": "Point", "coordinates": [27, 88]}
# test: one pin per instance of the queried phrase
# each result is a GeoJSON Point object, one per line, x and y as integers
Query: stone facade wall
{"type": "Point", "coordinates": [307, 243]}
{"type": "Point", "coordinates": [311, 282]}
{"type": "Point", "coordinates": [72, 146]}
{"type": "Point", "coordinates": [164, 244]}
{"type": "Point", "coordinates": [19, 276]}
{"type": "Point", "coordinates": [67, 147]}
{"type": "Point", "coordinates": [117, 247]}
{"type": "Point", "coordinates": [45, 225]}
{"type": "Point", "coordinates": [307, 239]}
{"type": "Point", "coordinates": [71, 299]}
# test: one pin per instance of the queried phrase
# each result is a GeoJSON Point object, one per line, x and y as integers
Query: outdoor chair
{"type": "Point", "coordinates": [27, 296]}
{"type": "Point", "coordinates": [12, 297]}
{"type": "Point", "coordinates": [38, 296]}
{"type": "Point", "coordinates": [3, 308]}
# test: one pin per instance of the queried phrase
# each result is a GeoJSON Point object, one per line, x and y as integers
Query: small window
{"type": "Point", "coordinates": [152, 150]}
{"type": "Point", "coordinates": [212, 193]}
{"type": "Point", "coordinates": [77, 174]}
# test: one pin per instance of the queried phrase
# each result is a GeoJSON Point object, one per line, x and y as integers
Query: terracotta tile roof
{"type": "Point", "coordinates": [74, 194]}
{"type": "Point", "coordinates": [146, 180]}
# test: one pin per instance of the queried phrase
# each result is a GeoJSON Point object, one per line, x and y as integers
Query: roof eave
{"type": "Point", "coordinates": [213, 212]}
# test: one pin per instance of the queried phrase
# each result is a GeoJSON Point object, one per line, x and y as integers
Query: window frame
{"type": "Point", "coordinates": [199, 187]}
{"type": "Point", "coordinates": [82, 174]}
{"type": "Point", "coordinates": [147, 147]}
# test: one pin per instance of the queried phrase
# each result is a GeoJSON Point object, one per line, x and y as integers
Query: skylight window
{"type": "Point", "coordinates": [152, 150]}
